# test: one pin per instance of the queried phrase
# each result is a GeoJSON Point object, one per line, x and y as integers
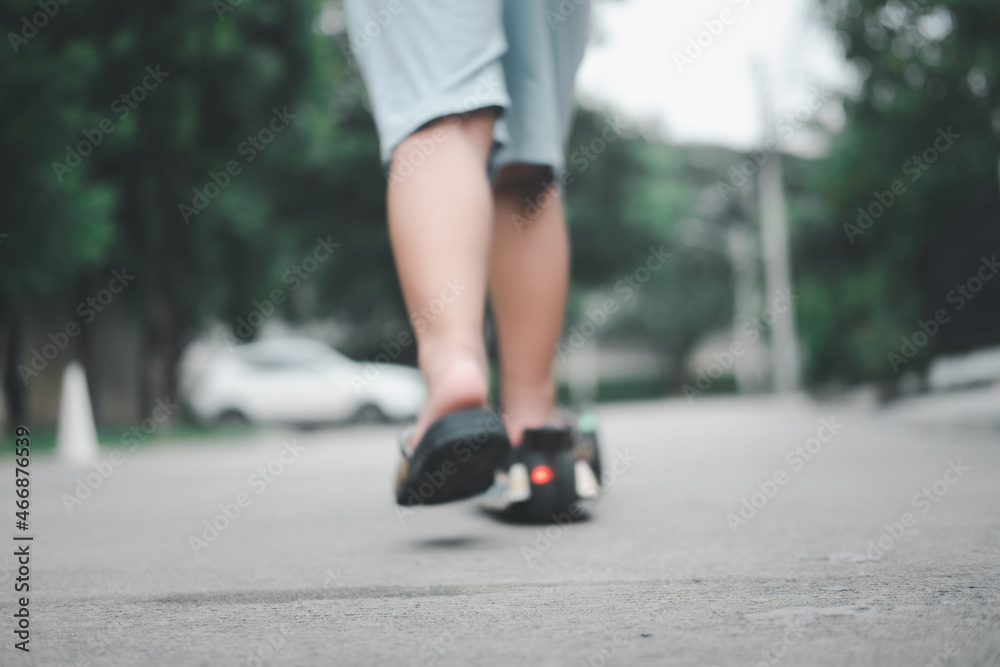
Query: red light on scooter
{"type": "Point", "coordinates": [541, 474]}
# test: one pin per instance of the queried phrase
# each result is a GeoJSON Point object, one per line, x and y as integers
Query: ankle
{"type": "Point", "coordinates": [455, 382]}
{"type": "Point", "coordinates": [461, 380]}
{"type": "Point", "coordinates": [528, 406]}
{"type": "Point", "coordinates": [437, 357]}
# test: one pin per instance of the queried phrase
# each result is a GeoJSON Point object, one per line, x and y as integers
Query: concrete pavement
{"type": "Point", "coordinates": [733, 532]}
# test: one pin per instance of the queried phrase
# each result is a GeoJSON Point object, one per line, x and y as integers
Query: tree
{"type": "Point", "coordinates": [928, 85]}
{"type": "Point", "coordinates": [52, 225]}
{"type": "Point", "coordinates": [173, 108]}
{"type": "Point", "coordinates": [634, 197]}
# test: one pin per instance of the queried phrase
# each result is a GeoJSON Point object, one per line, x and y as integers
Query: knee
{"type": "Point", "coordinates": [520, 180]}
{"type": "Point", "coordinates": [527, 191]}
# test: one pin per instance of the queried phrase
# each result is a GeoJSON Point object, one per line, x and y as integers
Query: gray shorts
{"type": "Point", "coordinates": [424, 59]}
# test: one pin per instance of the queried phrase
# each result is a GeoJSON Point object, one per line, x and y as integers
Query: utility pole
{"type": "Point", "coordinates": [743, 262]}
{"type": "Point", "coordinates": [777, 262]}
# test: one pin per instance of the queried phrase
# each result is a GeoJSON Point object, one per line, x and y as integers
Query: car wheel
{"type": "Point", "coordinates": [369, 413]}
{"type": "Point", "coordinates": [232, 417]}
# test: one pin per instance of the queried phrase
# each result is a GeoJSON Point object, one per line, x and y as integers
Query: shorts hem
{"type": "Point", "coordinates": [430, 112]}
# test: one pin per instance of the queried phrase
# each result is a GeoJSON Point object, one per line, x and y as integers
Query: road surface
{"type": "Point", "coordinates": [733, 532]}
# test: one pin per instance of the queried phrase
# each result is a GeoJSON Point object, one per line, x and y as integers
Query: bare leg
{"type": "Point", "coordinates": [529, 273]}
{"type": "Point", "coordinates": [440, 220]}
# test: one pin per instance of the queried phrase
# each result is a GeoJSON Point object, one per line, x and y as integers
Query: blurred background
{"type": "Point", "coordinates": [797, 195]}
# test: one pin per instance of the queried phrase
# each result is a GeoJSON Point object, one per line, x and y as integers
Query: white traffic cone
{"type": "Point", "coordinates": [76, 435]}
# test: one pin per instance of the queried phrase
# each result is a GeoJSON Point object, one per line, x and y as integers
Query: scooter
{"type": "Point", "coordinates": [553, 476]}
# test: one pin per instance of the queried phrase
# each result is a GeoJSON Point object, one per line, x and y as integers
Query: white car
{"type": "Point", "coordinates": [301, 381]}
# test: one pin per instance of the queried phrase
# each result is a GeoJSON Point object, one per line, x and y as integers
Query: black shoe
{"type": "Point", "coordinates": [455, 459]}
{"type": "Point", "coordinates": [551, 477]}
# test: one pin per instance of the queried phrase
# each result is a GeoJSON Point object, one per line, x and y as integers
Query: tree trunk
{"type": "Point", "coordinates": [14, 390]}
{"type": "Point", "coordinates": [159, 380]}
{"type": "Point", "coordinates": [162, 245]}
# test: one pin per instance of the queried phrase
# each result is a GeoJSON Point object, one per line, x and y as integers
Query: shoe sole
{"type": "Point", "coordinates": [456, 458]}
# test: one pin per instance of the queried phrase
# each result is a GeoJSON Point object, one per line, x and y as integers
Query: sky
{"type": "Point", "coordinates": [646, 63]}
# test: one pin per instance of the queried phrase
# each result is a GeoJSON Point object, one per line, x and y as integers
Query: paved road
{"type": "Point", "coordinates": [319, 568]}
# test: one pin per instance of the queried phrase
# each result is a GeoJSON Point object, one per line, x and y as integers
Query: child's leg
{"type": "Point", "coordinates": [529, 272]}
{"type": "Point", "coordinates": [440, 221]}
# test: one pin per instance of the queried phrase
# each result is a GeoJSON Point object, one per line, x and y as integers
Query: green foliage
{"type": "Point", "coordinates": [54, 229]}
{"type": "Point", "coordinates": [634, 196]}
{"type": "Point", "coordinates": [228, 67]}
{"type": "Point", "coordinates": [926, 67]}
{"type": "Point", "coordinates": [154, 99]}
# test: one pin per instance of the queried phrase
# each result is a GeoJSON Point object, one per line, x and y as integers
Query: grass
{"type": "Point", "coordinates": [43, 438]}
